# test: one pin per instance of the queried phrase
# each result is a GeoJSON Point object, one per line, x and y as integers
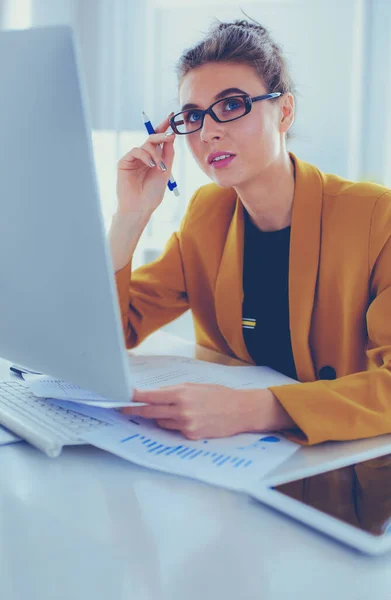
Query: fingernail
{"type": "Point", "coordinates": [168, 133]}
{"type": "Point", "coordinates": [153, 164]}
{"type": "Point", "coordinates": [170, 115]}
{"type": "Point", "coordinates": [162, 166]}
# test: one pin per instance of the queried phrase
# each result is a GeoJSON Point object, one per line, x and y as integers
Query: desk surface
{"type": "Point", "coordinates": [91, 526]}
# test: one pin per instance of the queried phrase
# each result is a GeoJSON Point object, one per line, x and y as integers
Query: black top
{"type": "Point", "coordinates": [265, 310]}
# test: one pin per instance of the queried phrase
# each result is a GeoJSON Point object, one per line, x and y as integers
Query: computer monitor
{"type": "Point", "coordinates": [59, 310]}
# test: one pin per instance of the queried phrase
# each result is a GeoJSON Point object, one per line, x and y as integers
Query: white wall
{"type": "Point", "coordinates": [376, 130]}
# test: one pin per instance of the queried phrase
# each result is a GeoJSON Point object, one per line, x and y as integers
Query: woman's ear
{"type": "Point", "coordinates": [287, 114]}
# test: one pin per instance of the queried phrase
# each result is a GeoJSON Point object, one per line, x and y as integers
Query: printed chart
{"type": "Point", "coordinates": [236, 462]}
{"type": "Point", "coordinates": [186, 453]}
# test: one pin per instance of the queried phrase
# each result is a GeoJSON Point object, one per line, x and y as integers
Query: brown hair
{"type": "Point", "coordinates": [241, 42]}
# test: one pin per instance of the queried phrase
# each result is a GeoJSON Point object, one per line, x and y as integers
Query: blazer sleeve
{"type": "Point", "coordinates": [152, 295]}
{"type": "Point", "coordinates": [357, 405]}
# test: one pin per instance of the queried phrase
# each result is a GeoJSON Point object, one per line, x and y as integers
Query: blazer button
{"type": "Point", "coordinates": [327, 372]}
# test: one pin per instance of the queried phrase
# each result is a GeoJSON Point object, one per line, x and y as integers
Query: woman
{"type": "Point", "coordinates": [280, 264]}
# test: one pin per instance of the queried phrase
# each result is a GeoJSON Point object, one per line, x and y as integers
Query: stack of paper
{"type": "Point", "coordinates": [152, 372]}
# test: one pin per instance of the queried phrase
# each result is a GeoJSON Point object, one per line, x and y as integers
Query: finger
{"type": "Point", "coordinates": [156, 150]}
{"type": "Point", "coordinates": [164, 124]}
{"type": "Point", "coordinates": [168, 152]}
{"type": "Point", "coordinates": [169, 424]}
{"type": "Point", "coordinates": [155, 139]}
{"type": "Point", "coordinates": [136, 154]}
{"type": "Point", "coordinates": [167, 411]}
{"type": "Point", "coordinates": [148, 153]}
{"type": "Point", "coordinates": [164, 395]}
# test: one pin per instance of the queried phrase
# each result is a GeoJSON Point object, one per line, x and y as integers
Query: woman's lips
{"type": "Point", "coordinates": [224, 162]}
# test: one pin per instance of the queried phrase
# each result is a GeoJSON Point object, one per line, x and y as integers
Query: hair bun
{"type": "Point", "coordinates": [244, 25]}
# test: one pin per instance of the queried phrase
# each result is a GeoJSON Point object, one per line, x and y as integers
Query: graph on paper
{"type": "Point", "coordinates": [185, 453]}
{"type": "Point", "coordinates": [233, 462]}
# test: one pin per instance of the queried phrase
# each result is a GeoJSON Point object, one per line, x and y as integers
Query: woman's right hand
{"type": "Point", "coordinates": [141, 186]}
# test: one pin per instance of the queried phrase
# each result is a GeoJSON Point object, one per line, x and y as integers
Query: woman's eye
{"type": "Point", "coordinates": [192, 117]}
{"type": "Point", "coordinates": [232, 104]}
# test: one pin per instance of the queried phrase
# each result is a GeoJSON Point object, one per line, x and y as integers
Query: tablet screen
{"type": "Point", "coordinates": [359, 495]}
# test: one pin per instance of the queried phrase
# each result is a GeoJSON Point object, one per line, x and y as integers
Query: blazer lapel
{"type": "Point", "coordinates": [303, 270]}
{"type": "Point", "coordinates": [304, 262]}
{"type": "Point", "coordinates": [229, 287]}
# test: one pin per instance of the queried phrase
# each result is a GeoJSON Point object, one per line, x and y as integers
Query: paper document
{"type": "Point", "coordinates": [236, 462]}
{"type": "Point", "coordinates": [154, 371]}
{"type": "Point", "coordinates": [49, 387]}
{"type": "Point", "coordinates": [7, 437]}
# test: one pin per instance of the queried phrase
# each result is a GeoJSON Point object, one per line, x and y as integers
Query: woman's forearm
{"type": "Point", "coordinates": [124, 234]}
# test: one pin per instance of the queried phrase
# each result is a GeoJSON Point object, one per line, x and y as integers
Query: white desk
{"type": "Point", "coordinates": [91, 526]}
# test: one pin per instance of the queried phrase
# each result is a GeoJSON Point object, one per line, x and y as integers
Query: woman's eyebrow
{"type": "Point", "coordinates": [218, 96]}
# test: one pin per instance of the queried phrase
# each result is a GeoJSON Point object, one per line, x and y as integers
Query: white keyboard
{"type": "Point", "coordinates": [41, 422]}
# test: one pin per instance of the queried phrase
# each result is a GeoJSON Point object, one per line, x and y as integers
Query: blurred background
{"type": "Point", "coordinates": [340, 57]}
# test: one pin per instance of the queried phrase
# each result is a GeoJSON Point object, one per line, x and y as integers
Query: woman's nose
{"type": "Point", "coordinates": [210, 129]}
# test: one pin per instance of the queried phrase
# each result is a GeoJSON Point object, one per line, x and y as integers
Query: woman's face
{"type": "Point", "coordinates": [255, 140]}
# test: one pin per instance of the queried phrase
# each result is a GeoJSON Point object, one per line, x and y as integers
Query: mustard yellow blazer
{"type": "Point", "coordinates": [339, 297]}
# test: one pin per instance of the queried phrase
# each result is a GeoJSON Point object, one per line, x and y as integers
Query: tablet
{"type": "Point", "coordinates": [351, 504]}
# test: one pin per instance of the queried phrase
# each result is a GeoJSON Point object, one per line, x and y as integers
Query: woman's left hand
{"type": "Point", "coordinates": [204, 410]}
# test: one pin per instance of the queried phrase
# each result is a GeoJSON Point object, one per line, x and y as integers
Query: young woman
{"type": "Point", "coordinates": [281, 264]}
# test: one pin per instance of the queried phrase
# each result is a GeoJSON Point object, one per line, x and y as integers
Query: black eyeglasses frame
{"type": "Point", "coordinates": [248, 100]}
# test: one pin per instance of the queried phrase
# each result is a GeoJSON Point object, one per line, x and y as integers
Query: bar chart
{"type": "Point", "coordinates": [234, 462]}
{"type": "Point", "coordinates": [186, 453]}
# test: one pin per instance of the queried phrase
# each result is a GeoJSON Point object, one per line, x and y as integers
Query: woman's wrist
{"type": "Point", "coordinates": [261, 411]}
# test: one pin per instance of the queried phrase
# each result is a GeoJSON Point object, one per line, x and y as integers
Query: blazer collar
{"type": "Point", "coordinates": [303, 271]}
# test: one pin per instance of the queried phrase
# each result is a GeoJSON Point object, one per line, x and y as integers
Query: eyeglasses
{"type": "Point", "coordinates": [222, 111]}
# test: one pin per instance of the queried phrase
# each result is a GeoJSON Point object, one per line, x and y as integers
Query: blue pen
{"type": "Point", "coordinates": [172, 184]}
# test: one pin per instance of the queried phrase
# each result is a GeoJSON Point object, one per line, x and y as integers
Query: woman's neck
{"type": "Point", "coordinates": [268, 198]}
